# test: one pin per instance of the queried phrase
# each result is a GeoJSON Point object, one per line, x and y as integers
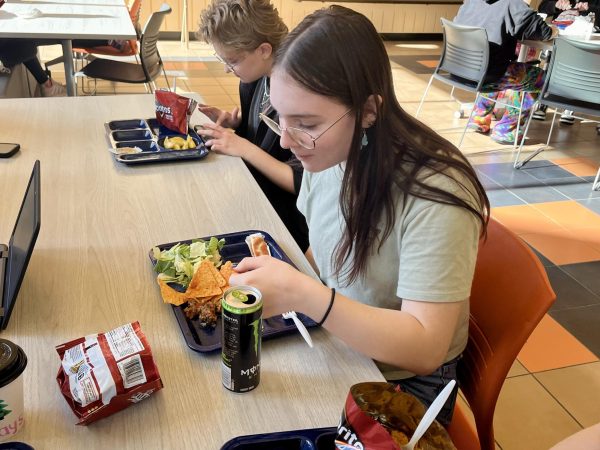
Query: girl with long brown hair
{"type": "Point", "coordinates": [395, 212]}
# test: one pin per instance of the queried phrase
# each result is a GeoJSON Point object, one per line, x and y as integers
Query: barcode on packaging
{"type": "Point", "coordinates": [226, 375]}
{"type": "Point", "coordinates": [132, 371]}
{"type": "Point", "coordinates": [123, 342]}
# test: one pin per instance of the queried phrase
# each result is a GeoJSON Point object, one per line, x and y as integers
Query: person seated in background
{"type": "Point", "coordinates": [395, 212]}
{"type": "Point", "coordinates": [245, 35]}
{"type": "Point", "coordinates": [553, 8]}
{"type": "Point", "coordinates": [506, 22]}
{"type": "Point", "coordinates": [17, 51]}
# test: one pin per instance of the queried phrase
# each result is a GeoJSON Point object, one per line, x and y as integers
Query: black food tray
{"type": "Point", "coordinates": [207, 339]}
{"type": "Point", "coordinates": [148, 135]}
{"type": "Point", "coordinates": [309, 439]}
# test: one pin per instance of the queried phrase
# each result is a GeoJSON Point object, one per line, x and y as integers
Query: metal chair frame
{"type": "Point", "coordinates": [465, 55]}
{"type": "Point", "coordinates": [150, 60]}
{"type": "Point", "coordinates": [569, 85]}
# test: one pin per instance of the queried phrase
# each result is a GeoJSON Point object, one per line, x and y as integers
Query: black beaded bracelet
{"type": "Point", "coordinates": [328, 308]}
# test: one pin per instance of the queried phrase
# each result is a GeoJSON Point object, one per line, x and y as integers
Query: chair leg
{"type": "Point", "coordinates": [424, 95]}
{"type": "Point", "coordinates": [166, 79]}
{"type": "Point", "coordinates": [468, 121]}
{"type": "Point", "coordinates": [596, 185]}
{"type": "Point", "coordinates": [519, 120]}
{"type": "Point", "coordinates": [517, 164]}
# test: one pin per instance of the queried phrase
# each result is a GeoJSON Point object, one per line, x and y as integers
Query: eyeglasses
{"type": "Point", "coordinates": [299, 136]}
{"type": "Point", "coordinates": [229, 65]}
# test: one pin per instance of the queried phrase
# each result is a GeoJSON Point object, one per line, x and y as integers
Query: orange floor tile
{"type": "Point", "coordinates": [550, 346]}
{"type": "Point", "coordinates": [582, 167]}
{"type": "Point", "coordinates": [563, 246]}
{"type": "Point", "coordinates": [569, 214]}
{"type": "Point", "coordinates": [429, 63]}
{"type": "Point", "coordinates": [524, 219]}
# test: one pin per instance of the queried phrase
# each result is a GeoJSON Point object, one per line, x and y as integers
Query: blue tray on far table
{"type": "Point", "coordinates": [207, 339]}
{"type": "Point", "coordinates": [309, 439]}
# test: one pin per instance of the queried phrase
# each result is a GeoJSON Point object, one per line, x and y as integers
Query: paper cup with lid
{"type": "Point", "coordinates": [12, 364]}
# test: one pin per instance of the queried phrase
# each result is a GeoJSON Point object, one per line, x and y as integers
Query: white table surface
{"type": "Point", "coordinates": [73, 2]}
{"type": "Point", "coordinates": [548, 45]}
{"type": "Point", "coordinates": [90, 272]}
{"type": "Point", "coordinates": [66, 21]}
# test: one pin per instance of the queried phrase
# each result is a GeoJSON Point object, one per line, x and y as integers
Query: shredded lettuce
{"type": "Point", "coordinates": [178, 263]}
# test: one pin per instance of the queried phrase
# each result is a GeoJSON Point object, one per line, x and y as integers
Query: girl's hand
{"type": "Point", "coordinates": [225, 141]}
{"type": "Point", "coordinates": [279, 283]}
{"type": "Point", "coordinates": [226, 119]}
{"type": "Point", "coordinates": [563, 5]}
{"type": "Point", "coordinates": [582, 6]}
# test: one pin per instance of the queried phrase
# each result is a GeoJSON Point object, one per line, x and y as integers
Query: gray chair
{"type": "Point", "coordinates": [573, 83]}
{"type": "Point", "coordinates": [150, 63]}
{"type": "Point", "coordinates": [464, 63]}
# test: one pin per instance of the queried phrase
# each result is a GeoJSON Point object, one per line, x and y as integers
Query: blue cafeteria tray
{"type": "Point", "coordinates": [309, 439]}
{"type": "Point", "coordinates": [207, 339]}
{"type": "Point", "coordinates": [148, 135]}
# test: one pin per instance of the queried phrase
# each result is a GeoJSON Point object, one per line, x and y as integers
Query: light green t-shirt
{"type": "Point", "coordinates": [429, 256]}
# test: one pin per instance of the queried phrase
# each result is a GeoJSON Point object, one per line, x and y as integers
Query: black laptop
{"type": "Point", "coordinates": [15, 257]}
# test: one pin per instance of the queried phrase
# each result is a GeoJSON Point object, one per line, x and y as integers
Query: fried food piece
{"type": "Point", "coordinates": [258, 246]}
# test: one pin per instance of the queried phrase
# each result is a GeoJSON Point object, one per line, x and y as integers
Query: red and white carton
{"type": "Point", "coordinates": [101, 374]}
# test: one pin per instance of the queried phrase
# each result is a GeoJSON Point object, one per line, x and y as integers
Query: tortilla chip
{"type": "Point", "coordinates": [220, 280]}
{"type": "Point", "coordinates": [170, 295]}
{"type": "Point", "coordinates": [226, 271]}
{"type": "Point", "coordinates": [203, 283]}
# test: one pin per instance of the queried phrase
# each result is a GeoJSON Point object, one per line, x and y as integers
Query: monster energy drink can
{"type": "Point", "coordinates": [241, 338]}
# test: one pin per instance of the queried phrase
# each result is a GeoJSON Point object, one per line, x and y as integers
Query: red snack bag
{"type": "Point", "coordinates": [104, 373]}
{"type": "Point", "coordinates": [378, 416]}
{"type": "Point", "coordinates": [174, 111]}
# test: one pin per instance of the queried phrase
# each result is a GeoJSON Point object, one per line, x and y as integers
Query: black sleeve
{"type": "Point", "coordinates": [297, 171]}
{"type": "Point", "coordinates": [549, 7]}
{"type": "Point", "coordinates": [246, 93]}
{"type": "Point", "coordinates": [594, 7]}
{"type": "Point", "coordinates": [528, 24]}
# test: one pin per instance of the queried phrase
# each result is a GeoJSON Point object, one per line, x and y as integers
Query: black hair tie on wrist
{"type": "Point", "coordinates": [328, 308]}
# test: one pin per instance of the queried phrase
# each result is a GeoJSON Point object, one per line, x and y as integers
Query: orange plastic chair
{"type": "Point", "coordinates": [134, 7]}
{"type": "Point", "coordinates": [510, 295]}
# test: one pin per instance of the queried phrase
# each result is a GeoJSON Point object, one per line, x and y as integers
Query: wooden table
{"type": "Point", "coordinates": [90, 272]}
{"type": "Point", "coordinates": [65, 21]}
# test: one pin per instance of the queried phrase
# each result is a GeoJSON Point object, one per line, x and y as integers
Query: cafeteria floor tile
{"type": "Point", "coordinates": [576, 389]}
{"type": "Point", "coordinates": [549, 203]}
{"type": "Point", "coordinates": [580, 167]}
{"type": "Point", "coordinates": [582, 323]}
{"type": "Point", "coordinates": [524, 219]}
{"type": "Point", "coordinates": [570, 293]}
{"type": "Point", "coordinates": [516, 370]}
{"type": "Point", "coordinates": [551, 346]}
{"type": "Point", "coordinates": [563, 246]}
{"type": "Point", "coordinates": [528, 417]}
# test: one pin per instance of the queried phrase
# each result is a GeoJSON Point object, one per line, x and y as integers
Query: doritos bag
{"type": "Point", "coordinates": [101, 374]}
{"type": "Point", "coordinates": [174, 111]}
{"type": "Point", "coordinates": [378, 416]}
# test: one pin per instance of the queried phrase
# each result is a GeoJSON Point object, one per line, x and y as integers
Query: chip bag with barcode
{"type": "Point", "coordinates": [103, 373]}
